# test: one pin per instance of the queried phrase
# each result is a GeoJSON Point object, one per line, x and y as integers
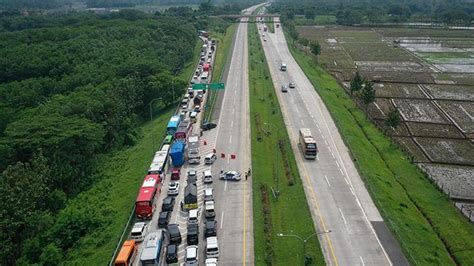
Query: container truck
{"type": "Point", "coordinates": [177, 153]}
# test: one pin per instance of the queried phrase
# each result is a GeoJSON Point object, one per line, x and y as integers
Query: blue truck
{"type": "Point", "coordinates": [177, 153]}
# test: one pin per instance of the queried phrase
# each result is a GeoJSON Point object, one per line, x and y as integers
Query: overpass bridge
{"type": "Point", "coordinates": [250, 18]}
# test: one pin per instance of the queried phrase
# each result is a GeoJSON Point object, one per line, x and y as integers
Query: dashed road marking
{"type": "Point", "coordinates": [222, 219]}
{"type": "Point", "coordinates": [362, 260]}
{"type": "Point", "coordinates": [327, 181]}
{"type": "Point", "coordinates": [342, 215]}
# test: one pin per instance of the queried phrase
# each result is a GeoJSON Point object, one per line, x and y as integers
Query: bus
{"type": "Point", "coordinates": [159, 162]}
{"type": "Point", "coordinates": [127, 254]}
{"type": "Point", "coordinates": [153, 247]}
{"type": "Point", "coordinates": [173, 124]}
{"type": "Point", "coordinates": [308, 144]}
{"type": "Point", "coordinates": [145, 202]}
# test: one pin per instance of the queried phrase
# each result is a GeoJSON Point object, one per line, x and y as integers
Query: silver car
{"type": "Point", "coordinates": [292, 85]}
{"type": "Point", "coordinates": [284, 88]}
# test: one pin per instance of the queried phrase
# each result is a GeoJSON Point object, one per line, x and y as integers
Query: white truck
{"type": "Point", "coordinates": [193, 150]}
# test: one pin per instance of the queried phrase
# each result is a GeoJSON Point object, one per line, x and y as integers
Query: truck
{"type": "Point", "coordinates": [206, 67]}
{"type": "Point", "coordinates": [177, 153]}
{"type": "Point", "coordinates": [182, 133]}
{"type": "Point", "coordinates": [193, 150]}
{"type": "Point", "coordinates": [308, 144]}
{"type": "Point", "coordinates": [190, 197]}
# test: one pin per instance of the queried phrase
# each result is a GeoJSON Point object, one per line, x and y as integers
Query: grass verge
{"type": "Point", "coordinates": [429, 228]}
{"type": "Point", "coordinates": [270, 24]}
{"type": "Point", "coordinates": [223, 50]}
{"type": "Point", "coordinates": [114, 195]}
{"type": "Point", "coordinates": [273, 169]}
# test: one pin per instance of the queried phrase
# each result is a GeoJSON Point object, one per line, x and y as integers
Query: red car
{"type": "Point", "coordinates": [175, 173]}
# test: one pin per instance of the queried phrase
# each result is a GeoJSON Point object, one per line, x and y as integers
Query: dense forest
{"type": "Point", "coordinates": [350, 12]}
{"type": "Point", "coordinates": [73, 87]}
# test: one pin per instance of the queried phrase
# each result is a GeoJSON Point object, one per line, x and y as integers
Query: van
{"type": "Point", "coordinates": [209, 209]}
{"type": "Point", "coordinates": [212, 247]}
{"type": "Point", "coordinates": [127, 253]}
{"type": "Point", "coordinates": [174, 234]}
{"type": "Point", "coordinates": [184, 103]}
{"type": "Point", "coordinates": [210, 158]}
{"type": "Point", "coordinates": [207, 176]}
{"type": "Point", "coordinates": [208, 194]}
{"type": "Point", "coordinates": [138, 231]}
{"type": "Point", "coordinates": [191, 255]}
{"type": "Point", "coordinates": [193, 116]}
{"type": "Point", "coordinates": [283, 67]}
{"type": "Point", "coordinates": [193, 216]}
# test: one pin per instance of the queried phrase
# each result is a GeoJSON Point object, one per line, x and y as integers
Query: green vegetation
{"type": "Point", "coordinates": [422, 218]}
{"type": "Point", "coordinates": [73, 88]}
{"type": "Point", "coordinates": [224, 42]}
{"type": "Point", "coordinates": [270, 24]}
{"type": "Point", "coordinates": [274, 168]}
{"type": "Point", "coordinates": [455, 12]}
{"type": "Point", "coordinates": [318, 20]}
{"type": "Point", "coordinates": [439, 57]}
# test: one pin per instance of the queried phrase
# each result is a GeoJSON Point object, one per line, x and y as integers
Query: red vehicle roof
{"type": "Point", "coordinates": [145, 194]}
{"type": "Point", "coordinates": [151, 180]}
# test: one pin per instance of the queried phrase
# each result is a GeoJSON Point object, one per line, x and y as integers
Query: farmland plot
{"type": "Point", "coordinates": [428, 74]}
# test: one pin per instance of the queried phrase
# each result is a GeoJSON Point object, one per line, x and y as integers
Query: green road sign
{"type": "Point", "coordinates": [199, 86]}
{"type": "Point", "coordinates": [216, 86]}
{"type": "Point", "coordinates": [211, 86]}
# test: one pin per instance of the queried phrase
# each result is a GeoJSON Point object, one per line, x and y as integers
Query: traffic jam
{"type": "Point", "coordinates": [175, 206]}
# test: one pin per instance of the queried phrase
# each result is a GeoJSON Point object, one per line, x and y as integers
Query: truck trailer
{"type": "Point", "coordinates": [177, 153]}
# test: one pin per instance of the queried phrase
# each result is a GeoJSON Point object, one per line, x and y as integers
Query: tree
{"type": "Point", "coordinates": [303, 41]}
{"type": "Point", "coordinates": [309, 14]}
{"type": "Point", "coordinates": [368, 93]}
{"type": "Point", "coordinates": [393, 118]}
{"type": "Point", "coordinates": [315, 48]}
{"type": "Point", "coordinates": [356, 83]}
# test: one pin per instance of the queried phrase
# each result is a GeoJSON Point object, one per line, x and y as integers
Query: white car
{"type": "Point", "coordinates": [210, 158]}
{"type": "Point", "coordinates": [211, 262]}
{"type": "Point", "coordinates": [138, 231]}
{"type": "Point", "coordinates": [192, 255]}
{"type": "Point", "coordinates": [207, 176]}
{"type": "Point", "coordinates": [231, 176]}
{"type": "Point", "coordinates": [173, 188]}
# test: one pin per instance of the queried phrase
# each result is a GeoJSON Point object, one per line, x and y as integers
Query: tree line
{"type": "Point", "coordinates": [348, 12]}
{"type": "Point", "coordinates": [73, 87]}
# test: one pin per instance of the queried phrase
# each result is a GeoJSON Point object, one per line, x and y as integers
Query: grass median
{"type": "Point", "coordinates": [429, 228]}
{"type": "Point", "coordinates": [274, 169]}
{"type": "Point", "coordinates": [222, 55]}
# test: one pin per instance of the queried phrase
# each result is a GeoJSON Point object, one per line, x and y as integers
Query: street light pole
{"type": "Point", "coordinates": [304, 240]}
{"type": "Point", "coordinates": [151, 120]}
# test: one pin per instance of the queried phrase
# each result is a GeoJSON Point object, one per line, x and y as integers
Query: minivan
{"type": "Point", "coordinates": [283, 67]}
{"type": "Point", "coordinates": [207, 176]}
{"type": "Point", "coordinates": [174, 234]}
{"type": "Point", "coordinates": [192, 255]}
{"type": "Point", "coordinates": [138, 231]}
{"type": "Point", "coordinates": [208, 194]}
{"type": "Point", "coordinates": [172, 254]}
{"type": "Point", "coordinates": [209, 209]}
{"type": "Point", "coordinates": [210, 158]}
{"type": "Point", "coordinates": [212, 247]}
{"type": "Point", "coordinates": [127, 253]}
{"type": "Point", "coordinates": [193, 234]}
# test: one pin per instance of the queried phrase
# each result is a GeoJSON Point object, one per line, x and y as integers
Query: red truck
{"type": "Point", "coordinates": [206, 67]}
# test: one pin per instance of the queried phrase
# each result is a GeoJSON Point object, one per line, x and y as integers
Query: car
{"type": "Point", "coordinates": [174, 234]}
{"type": "Point", "coordinates": [138, 231]}
{"type": "Point", "coordinates": [175, 173]}
{"type": "Point", "coordinates": [292, 85]}
{"type": "Point", "coordinates": [230, 175]}
{"type": "Point", "coordinates": [210, 158]}
{"type": "Point", "coordinates": [163, 219]}
{"type": "Point", "coordinates": [207, 176]}
{"type": "Point", "coordinates": [197, 108]}
{"type": "Point", "coordinates": [193, 234]}
{"type": "Point", "coordinates": [208, 194]}
{"type": "Point", "coordinates": [264, 39]}
{"type": "Point", "coordinates": [208, 126]}
{"type": "Point", "coordinates": [211, 262]}
{"type": "Point", "coordinates": [168, 204]}
{"type": "Point", "coordinates": [191, 255]}
{"type": "Point", "coordinates": [209, 212]}
{"type": "Point", "coordinates": [168, 139]}
{"type": "Point", "coordinates": [172, 254]}
{"type": "Point", "coordinates": [193, 216]}
{"type": "Point", "coordinates": [284, 88]}
{"type": "Point", "coordinates": [210, 228]}
{"type": "Point", "coordinates": [192, 177]}
{"type": "Point", "coordinates": [173, 188]}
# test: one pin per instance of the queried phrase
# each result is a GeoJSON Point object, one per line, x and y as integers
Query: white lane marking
{"type": "Point", "coordinates": [338, 166]}
{"type": "Point", "coordinates": [361, 260]}
{"type": "Point", "coordinates": [230, 139]}
{"type": "Point", "coordinates": [327, 181]}
{"type": "Point", "coordinates": [352, 191]}
{"type": "Point", "coordinates": [342, 215]}
{"type": "Point", "coordinates": [232, 124]}
{"type": "Point", "coordinates": [233, 110]}
{"type": "Point", "coordinates": [346, 181]}
{"type": "Point", "coordinates": [222, 219]}
{"type": "Point", "coordinates": [334, 157]}
{"type": "Point", "coordinates": [302, 122]}
{"type": "Point", "coordinates": [225, 185]}
{"type": "Point", "coordinates": [342, 173]}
